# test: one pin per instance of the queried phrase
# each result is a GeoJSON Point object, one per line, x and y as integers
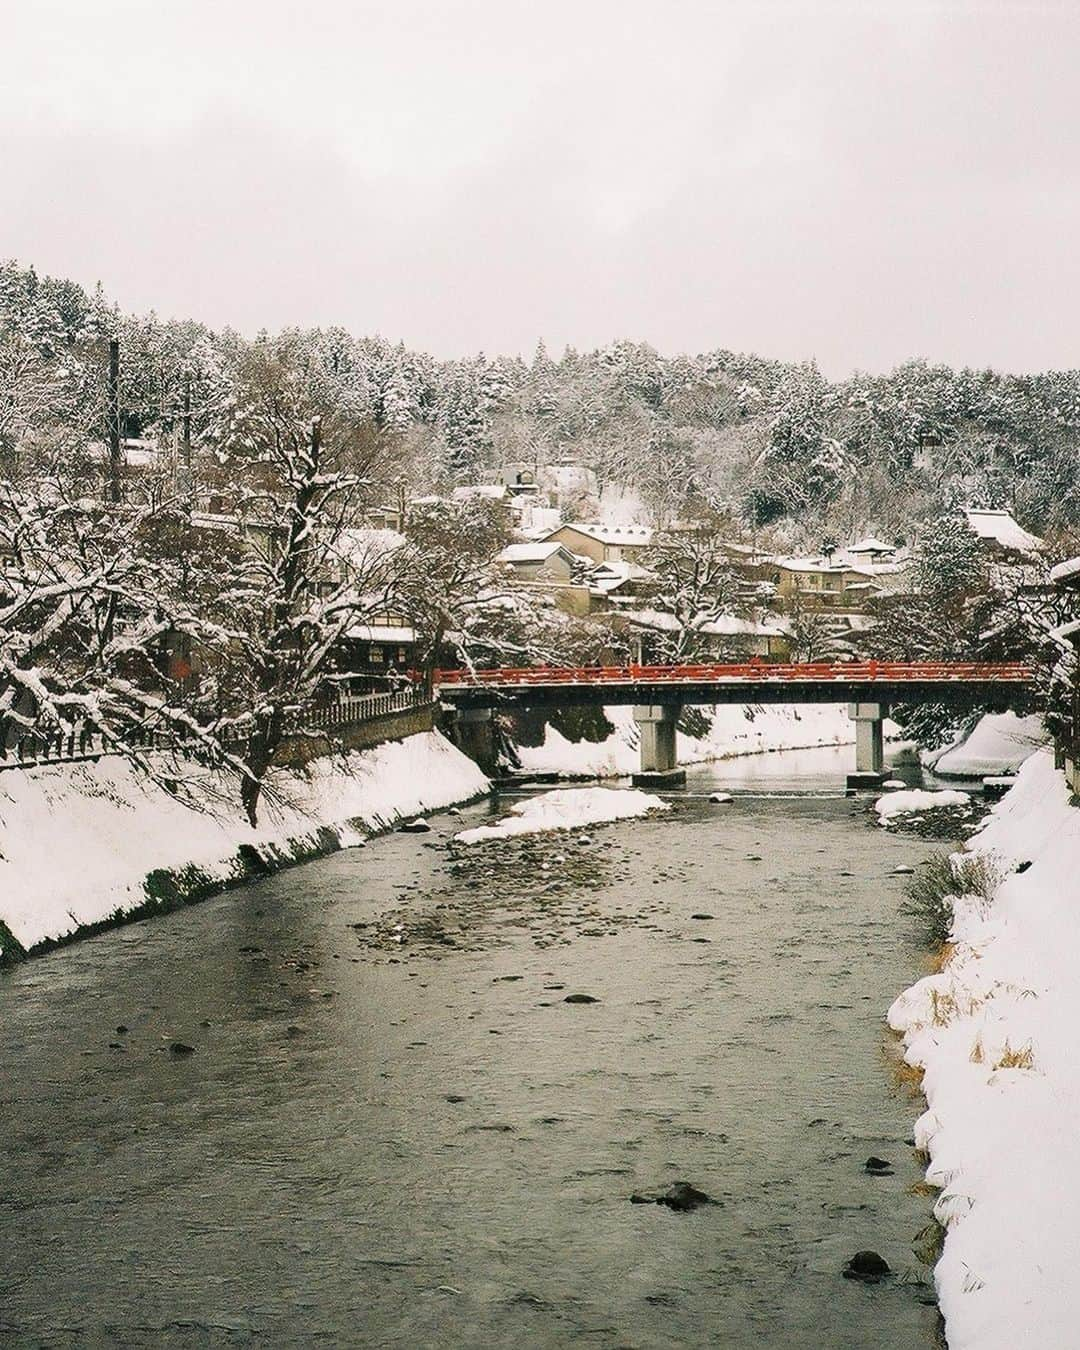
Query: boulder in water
{"type": "Point", "coordinates": [867, 1266]}
{"type": "Point", "coordinates": [879, 1167]}
{"type": "Point", "coordinates": [679, 1196]}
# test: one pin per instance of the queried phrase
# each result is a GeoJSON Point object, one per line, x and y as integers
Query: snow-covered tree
{"type": "Point", "coordinates": [695, 586]}
{"type": "Point", "coordinates": [295, 441]}
{"type": "Point", "coordinates": [92, 611]}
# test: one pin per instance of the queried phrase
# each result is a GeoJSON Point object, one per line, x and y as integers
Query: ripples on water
{"type": "Point", "coordinates": [418, 1143]}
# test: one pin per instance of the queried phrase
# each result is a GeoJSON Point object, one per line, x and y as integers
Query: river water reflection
{"type": "Point", "coordinates": [418, 1143]}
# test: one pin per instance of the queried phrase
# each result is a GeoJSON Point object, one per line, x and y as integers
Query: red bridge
{"type": "Point", "coordinates": [659, 692]}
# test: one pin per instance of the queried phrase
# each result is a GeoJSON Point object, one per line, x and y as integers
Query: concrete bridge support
{"type": "Point", "coordinates": [473, 732]}
{"type": "Point", "coordinates": [869, 719]}
{"type": "Point", "coordinates": [659, 755]}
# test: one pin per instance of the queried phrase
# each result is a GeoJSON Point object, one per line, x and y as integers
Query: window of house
{"type": "Point", "coordinates": [375, 655]}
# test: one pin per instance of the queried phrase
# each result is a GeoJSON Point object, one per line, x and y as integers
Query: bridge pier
{"type": "Point", "coordinates": [659, 753]}
{"type": "Point", "coordinates": [473, 732]}
{"type": "Point", "coordinates": [869, 719]}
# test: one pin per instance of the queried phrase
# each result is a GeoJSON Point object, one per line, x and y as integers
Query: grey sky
{"type": "Point", "coordinates": [860, 182]}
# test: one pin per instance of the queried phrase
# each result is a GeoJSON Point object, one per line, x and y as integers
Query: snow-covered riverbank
{"type": "Point", "coordinates": [995, 1032]}
{"type": "Point", "coordinates": [998, 743]}
{"type": "Point", "coordinates": [735, 729]}
{"type": "Point", "coordinates": [85, 844]}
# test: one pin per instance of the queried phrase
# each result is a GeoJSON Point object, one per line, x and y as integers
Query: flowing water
{"type": "Point", "coordinates": [393, 1131]}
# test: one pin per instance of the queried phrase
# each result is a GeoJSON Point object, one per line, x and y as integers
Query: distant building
{"type": "Point", "coordinates": [539, 562]}
{"type": "Point", "coordinates": [871, 549]}
{"type": "Point", "coordinates": [999, 531]}
{"type": "Point", "coordinates": [603, 543]}
{"type": "Point", "coordinates": [371, 652]}
{"type": "Point", "coordinates": [520, 480]}
{"type": "Point", "coordinates": [725, 637]}
{"type": "Point", "coordinates": [837, 582]}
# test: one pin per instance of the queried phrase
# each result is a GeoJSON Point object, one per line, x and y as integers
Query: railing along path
{"type": "Point", "coordinates": [352, 710]}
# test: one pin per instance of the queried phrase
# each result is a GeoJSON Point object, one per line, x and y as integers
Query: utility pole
{"type": "Point", "coordinates": [113, 416]}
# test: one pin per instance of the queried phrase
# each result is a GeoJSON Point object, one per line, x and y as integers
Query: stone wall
{"type": "Point", "coordinates": [296, 751]}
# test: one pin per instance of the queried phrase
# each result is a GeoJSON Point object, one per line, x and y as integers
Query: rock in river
{"type": "Point", "coordinates": [417, 826]}
{"type": "Point", "coordinates": [879, 1167]}
{"type": "Point", "coordinates": [868, 1267]}
{"type": "Point", "coordinates": [679, 1196]}
{"type": "Point", "coordinates": [580, 998]}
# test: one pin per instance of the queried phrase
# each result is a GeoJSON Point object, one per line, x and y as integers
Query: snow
{"type": "Point", "coordinates": [362, 544]}
{"type": "Point", "coordinates": [77, 840]}
{"type": "Point", "coordinates": [609, 576]}
{"type": "Point", "coordinates": [871, 545]}
{"type": "Point", "coordinates": [1004, 1142]}
{"type": "Point", "coordinates": [724, 625]}
{"type": "Point", "coordinates": [525, 553]}
{"type": "Point", "coordinates": [999, 743]}
{"type": "Point", "coordinates": [734, 729]}
{"type": "Point", "coordinates": [401, 634]}
{"type": "Point", "coordinates": [536, 520]}
{"type": "Point", "coordinates": [1066, 571]}
{"type": "Point", "coordinates": [1066, 632]}
{"type": "Point", "coordinates": [999, 527]}
{"type": "Point", "coordinates": [918, 799]}
{"type": "Point", "coordinates": [491, 491]}
{"type": "Point", "coordinates": [729, 625]}
{"type": "Point", "coordinates": [566, 809]}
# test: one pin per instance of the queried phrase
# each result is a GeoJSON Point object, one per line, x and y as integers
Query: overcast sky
{"type": "Point", "coordinates": [859, 182]}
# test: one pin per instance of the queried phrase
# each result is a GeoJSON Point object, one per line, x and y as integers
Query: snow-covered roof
{"type": "Point", "coordinates": [529, 553]}
{"type": "Point", "coordinates": [810, 565]}
{"type": "Point", "coordinates": [609, 576]}
{"type": "Point", "coordinates": [1000, 528]}
{"type": "Point", "coordinates": [1066, 573]}
{"type": "Point", "coordinates": [495, 491]}
{"type": "Point", "coordinates": [727, 625]}
{"type": "Point", "coordinates": [634, 535]}
{"type": "Point", "coordinates": [840, 563]}
{"type": "Point", "coordinates": [368, 541]}
{"type": "Point", "coordinates": [655, 618]}
{"type": "Point", "coordinates": [724, 625]}
{"type": "Point", "coordinates": [871, 545]}
{"type": "Point", "coordinates": [402, 636]}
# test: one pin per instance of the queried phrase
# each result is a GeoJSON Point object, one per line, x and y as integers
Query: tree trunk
{"type": "Point", "coordinates": [112, 414]}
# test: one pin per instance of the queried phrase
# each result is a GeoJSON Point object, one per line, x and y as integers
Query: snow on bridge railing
{"type": "Point", "coordinates": [750, 672]}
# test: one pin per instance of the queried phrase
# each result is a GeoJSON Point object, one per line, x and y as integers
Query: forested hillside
{"type": "Point", "coordinates": [765, 443]}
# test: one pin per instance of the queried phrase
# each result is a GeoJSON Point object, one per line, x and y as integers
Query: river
{"type": "Point", "coordinates": [393, 1131]}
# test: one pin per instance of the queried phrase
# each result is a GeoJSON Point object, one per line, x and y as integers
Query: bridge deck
{"type": "Point", "coordinates": [971, 682]}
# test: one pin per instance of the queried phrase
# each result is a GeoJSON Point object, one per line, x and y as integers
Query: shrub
{"type": "Point", "coordinates": [933, 889]}
{"type": "Point", "coordinates": [1024, 1058]}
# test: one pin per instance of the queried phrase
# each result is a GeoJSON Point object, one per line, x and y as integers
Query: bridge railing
{"type": "Point", "coordinates": [750, 672]}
